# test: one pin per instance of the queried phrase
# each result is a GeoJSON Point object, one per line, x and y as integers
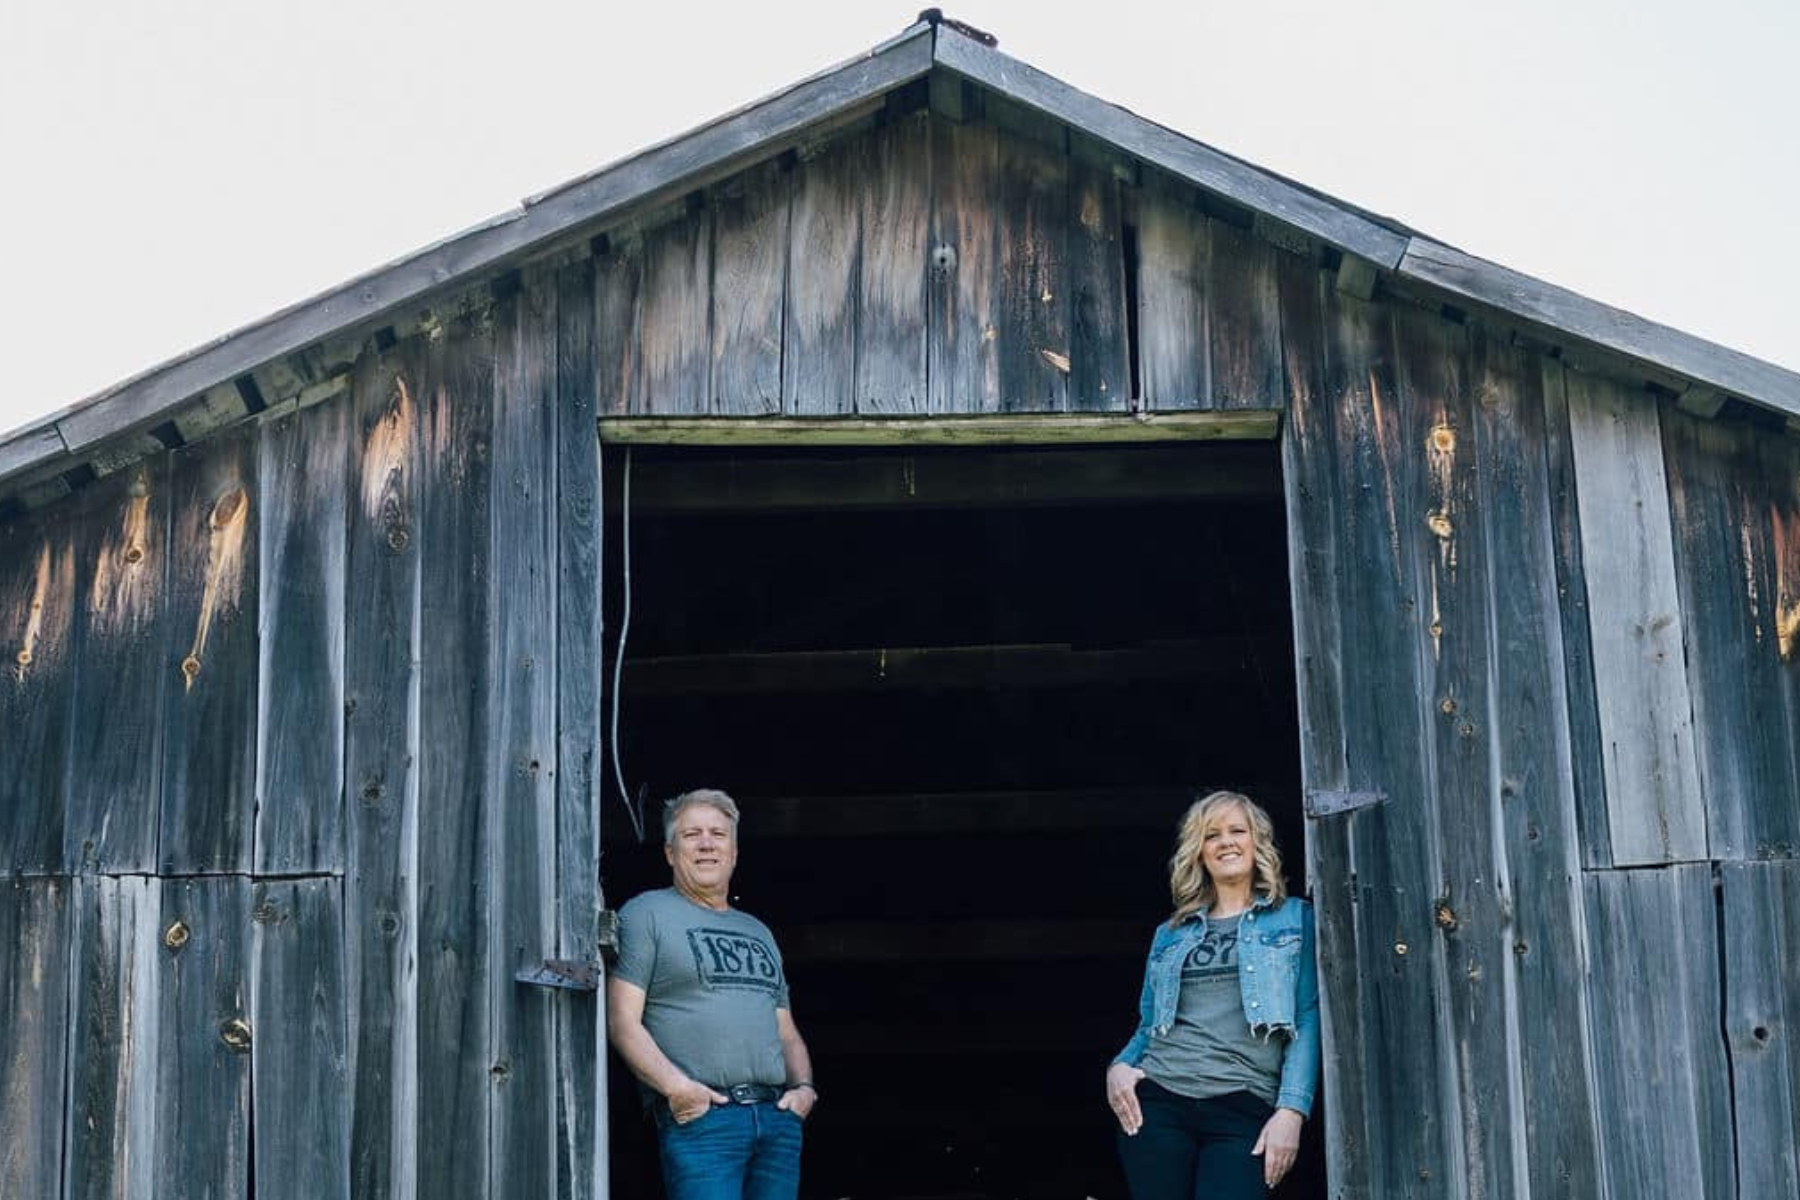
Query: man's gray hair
{"type": "Point", "coordinates": [711, 797]}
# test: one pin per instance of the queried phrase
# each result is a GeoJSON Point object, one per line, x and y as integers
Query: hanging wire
{"type": "Point", "coordinates": [634, 811]}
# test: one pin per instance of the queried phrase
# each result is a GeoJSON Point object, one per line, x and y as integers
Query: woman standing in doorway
{"type": "Point", "coordinates": [1213, 1088]}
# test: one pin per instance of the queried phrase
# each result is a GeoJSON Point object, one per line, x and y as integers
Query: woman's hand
{"type": "Point", "coordinates": [1278, 1144]}
{"type": "Point", "coordinates": [1121, 1096]}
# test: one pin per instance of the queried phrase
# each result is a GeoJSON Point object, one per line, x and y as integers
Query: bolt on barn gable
{"type": "Point", "coordinates": [948, 407]}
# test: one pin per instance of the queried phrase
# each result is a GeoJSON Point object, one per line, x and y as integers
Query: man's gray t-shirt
{"type": "Point", "coordinates": [712, 981]}
{"type": "Point", "coordinates": [1210, 1050]}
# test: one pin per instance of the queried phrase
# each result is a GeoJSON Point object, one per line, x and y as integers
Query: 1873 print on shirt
{"type": "Point", "coordinates": [728, 958]}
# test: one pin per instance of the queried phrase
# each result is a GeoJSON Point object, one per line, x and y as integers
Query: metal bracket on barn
{"type": "Point", "coordinates": [564, 973]}
{"type": "Point", "coordinates": [1330, 804]}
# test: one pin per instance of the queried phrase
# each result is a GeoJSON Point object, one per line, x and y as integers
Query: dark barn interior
{"type": "Point", "coordinates": [962, 696]}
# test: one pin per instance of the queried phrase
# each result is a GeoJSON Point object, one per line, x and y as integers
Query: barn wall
{"type": "Point", "coordinates": [1542, 612]}
{"type": "Point", "coordinates": [293, 790]}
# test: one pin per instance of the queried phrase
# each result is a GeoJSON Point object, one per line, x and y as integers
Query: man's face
{"type": "Point", "coordinates": [702, 851]}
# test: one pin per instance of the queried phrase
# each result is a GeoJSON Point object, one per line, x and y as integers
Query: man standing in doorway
{"type": "Point", "coordinates": [698, 1009]}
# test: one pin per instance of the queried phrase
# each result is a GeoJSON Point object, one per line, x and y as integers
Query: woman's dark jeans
{"type": "Point", "coordinates": [1195, 1149]}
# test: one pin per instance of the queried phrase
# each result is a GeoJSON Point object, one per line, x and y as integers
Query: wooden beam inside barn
{"type": "Point", "coordinates": [1023, 430]}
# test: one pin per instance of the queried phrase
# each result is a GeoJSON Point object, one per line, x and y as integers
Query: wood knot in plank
{"type": "Point", "coordinates": [1444, 915]}
{"type": "Point", "coordinates": [176, 935]}
{"type": "Point", "coordinates": [190, 669]}
{"type": "Point", "coordinates": [235, 1033]}
{"type": "Point", "coordinates": [229, 509]}
{"type": "Point", "coordinates": [1443, 439]}
{"type": "Point", "coordinates": [1440, 524]}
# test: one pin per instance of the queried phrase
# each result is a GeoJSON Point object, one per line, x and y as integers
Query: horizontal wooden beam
{"type": "Point", "coordinates": [946, 479]}
{"type": "Point", "coordinates": [1020, 430]}
{"type": "Point", "coordinates": [928, 667]}
{"type": "Point", "coordinates": [913, 941]}
{"type": "Point", "coordinates": [967, 812]}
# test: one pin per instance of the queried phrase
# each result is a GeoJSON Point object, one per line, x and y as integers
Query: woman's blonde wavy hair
{"type": "Point", "coordinates": [1189, 884]}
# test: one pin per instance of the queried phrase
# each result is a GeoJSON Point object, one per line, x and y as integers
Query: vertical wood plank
{"type": "Point", "coordinates": [1100, 367]}
{"type": "Point", "coordinates": [1173, 307]}
{"type": "Point", "coordinates": [750, 260]}
{"type": "Point", "coordinates": [1410, 1140]}
{"type": "Point", "coordinates": [1587, 759]}
{"type": "Point", "coordinates": [1243, 330]}
{"type": "Point", "coordinates": [520, 828]}
{"type": "Point", "coordinates": [1762, 1021]}
{"type": "Point", "coordinates": [38, 598]}
{"type": "Point", "coordinates": [204, 1040]}
{"type": "Point", "coordinates": [1781, 474]}
{"type": "Point", "coordinates": [208, 795]}
{"type": "Point", "coordinates": [674, 334]}
{"type": "Point", "coordinates": [382, 647]}
{"type": "Point", "coordinates": [454, 1046]}
{"type": "Point", "coordinates": [1653, 804]}
{"type": "Point", "coordinates": [963, 365]}
{"type": "Point", "coordinates": [121, 680]}
{"type": "Point", "coordinates": [299, 1012]}
{"type": "Point", "coordinates": [1472, 909]}
{"type": "Point", "coordinates": [1725, 570]}
{"type": "Point", "coordinates": [618, 287]}
{"type": "Point", "coordinates": [1665, 1117]}
{"type": "Point", "coordinates": [1537, 825]}
{"type": "Point", "coordinates": [114, 1014]}
{"type": "Point", "coordinates": [35, 916]}
{"type": "Point", "coordinates": [580, 1081]}
{"type": "Point", "coordinates": [818, 359]}
{"type": "Point", "coordinates": [301, 480]}
{"type": "Point", "coordinates": [1314, 501]}
{"type": "Point", "coordinates": [890, 319]}
{"type": "Point", "coordinates": [1034, 345]}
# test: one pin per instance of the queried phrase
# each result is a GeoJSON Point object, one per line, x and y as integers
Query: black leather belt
{"type": "Point", "coordinates": [752, 1093]}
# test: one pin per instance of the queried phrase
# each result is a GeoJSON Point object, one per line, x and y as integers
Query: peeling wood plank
{"type": "Point", "coordinates": [1721, 503]}
{"type": "Point", "coordinates": [35, 920]}
{"type": "Point", "coordinates": [1660, 1069]}
{"type": "Point", "coordinates": [891, 300]}
{"type": "Point", "coordinates": [301, 478]}
{"type": "Point", "coordinates": [1243, 321]}
{"type": "Point", "coordinates": [113, 1124]}
{"type": "Point", "coordinates": [1100, 370]}
{"type": "Point", "coordinates": [455, 1050]}
{"type": "Point", "coordinates": [383, 646]}
{"type": "Point", "coordinates": [209, 762]}
{"type": "Point", "coordinates": [299, 1016]}
{"type": "Point", "coordinates": [1173, 307]}
{"type": "Point", "coordinates": [1653, 802]}
{"type": "Point", "coordinates": [750, 262]}
{"type": "Point", "coordinates": [1540, 857]}
{"type": "Point", "coordinates": [1587, 763]}
{"type": "Point", "coordinates": [1018, 430]}
{"type": "Point", "coordinates": [519, 830]}
{"type": "Point", "coordinates": [1033, 344]}
{"type": "Point", "coordinates": [38, 599]}
{"type": "Point", "coordinates": [580, 1087]}
{"type": "Point", "coordinates": [1762, 1021]}
{"type": "Point", "coordinates": [204, 1039]}
{"type": "Point", "coordinates": [962, 357]}
{"type": "Point", "coordinates": [674, 322]}
{"type": "Point", "coordinates": [818, 360]}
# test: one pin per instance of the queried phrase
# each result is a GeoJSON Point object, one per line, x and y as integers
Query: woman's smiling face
{"type": "Point", "coordinates": [1228, 846]}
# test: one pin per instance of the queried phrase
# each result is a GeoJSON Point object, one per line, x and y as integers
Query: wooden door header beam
{"type": "Point", "coordinates": [1022, 430]}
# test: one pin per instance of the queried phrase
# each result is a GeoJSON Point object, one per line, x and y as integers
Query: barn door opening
{"type": "Point", "coordinates": [962, 697]}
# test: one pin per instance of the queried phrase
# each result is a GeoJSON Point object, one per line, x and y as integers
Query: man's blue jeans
{"type": "Point", "coordinates": [731, 1152]}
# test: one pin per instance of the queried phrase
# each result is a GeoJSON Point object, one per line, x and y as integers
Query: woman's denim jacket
{"type": "Point", "coordinates": [1278, 979]}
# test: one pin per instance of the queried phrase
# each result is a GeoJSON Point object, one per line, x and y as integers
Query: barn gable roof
{"type": "Point", "coordinates": [199, 391]}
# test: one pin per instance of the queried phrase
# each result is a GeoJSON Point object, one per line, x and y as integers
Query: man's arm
{"type": "Point", "coordinates": [625, 1030]}
{"type": "Point", "coordinates": [801, 1095]}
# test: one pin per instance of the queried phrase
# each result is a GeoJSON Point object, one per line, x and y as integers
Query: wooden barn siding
{"type": "Point", "coordinates": [294, 813]}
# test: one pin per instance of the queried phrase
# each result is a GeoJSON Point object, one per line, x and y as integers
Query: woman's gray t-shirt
{"type": "Point", "coordinates": [712, 982]}
{"type": "Point", "coordinates": [1210, 1050]}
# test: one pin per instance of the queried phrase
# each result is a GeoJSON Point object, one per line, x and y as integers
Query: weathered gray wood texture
{"type": "Point", "coordinates": [1761, 932]}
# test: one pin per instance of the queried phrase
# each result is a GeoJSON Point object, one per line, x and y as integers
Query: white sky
{"type": "Point", "coordinates": [176, 169]}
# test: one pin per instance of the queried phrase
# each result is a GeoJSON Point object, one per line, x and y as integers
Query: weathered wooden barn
{"type": "Point", "coordinates": [962, 470]}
